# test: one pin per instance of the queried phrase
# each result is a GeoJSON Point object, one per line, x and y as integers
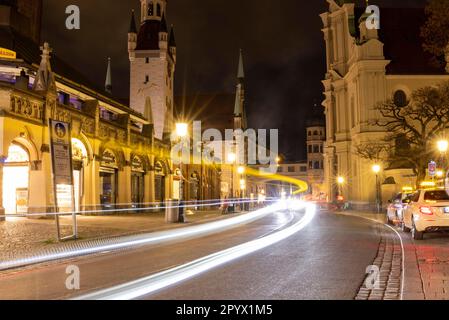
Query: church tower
{"type": "Point", "coordinates": [239, 108]}
{"type": "Point", "coordinates": [152, 55]}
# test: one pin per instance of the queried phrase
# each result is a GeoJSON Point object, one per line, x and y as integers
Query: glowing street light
{"type": "Point", "coordinates": [376, 169]}
{"type": "Point", "coordinates": [232, 157]}
{"type": "Point", "coordinates": [182, 130]}
{"type": "Point", "coordinates": [443, 146]}
{"type": "Point", "coordinates": [241, 170]}
{"type": "Point", "coordinates": [340, 180]}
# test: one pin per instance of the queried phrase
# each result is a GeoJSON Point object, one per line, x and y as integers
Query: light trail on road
{"type": "Point", "coordinates": [151, 284]}
{"type": "Point", "coordinates": [130, 242]}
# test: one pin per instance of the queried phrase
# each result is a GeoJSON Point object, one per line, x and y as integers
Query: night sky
{"type": "Point", "coordinates": [282, 42]}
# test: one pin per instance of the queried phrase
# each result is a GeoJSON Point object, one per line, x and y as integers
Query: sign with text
{"type": "Point", "coordinates": [432, 168]}
{"type": "Point", "coordinates": [7, 54]}
{"type": "Point", "coordinates": [61, 152]}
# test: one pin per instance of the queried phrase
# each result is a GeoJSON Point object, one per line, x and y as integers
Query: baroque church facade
{"type": "Point", "coordinates": [365, 67]}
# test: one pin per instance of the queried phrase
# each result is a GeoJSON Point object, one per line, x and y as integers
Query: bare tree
{"type": "Point", "coordinates": [373, 151]}
{"type": "Point", "coordinates": [434, 31]}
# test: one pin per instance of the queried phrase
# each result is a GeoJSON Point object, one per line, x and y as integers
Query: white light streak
{"type": "Point", "coordinates": [145, 239]}
{"type": "Point", "coordinates": [151, 284]}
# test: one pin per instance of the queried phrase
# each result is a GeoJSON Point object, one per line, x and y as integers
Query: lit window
{"type": "Point", "coordinates": [151, 9]}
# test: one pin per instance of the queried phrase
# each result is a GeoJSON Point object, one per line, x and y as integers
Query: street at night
{"type": "Point", "coordinates": [224, 158]}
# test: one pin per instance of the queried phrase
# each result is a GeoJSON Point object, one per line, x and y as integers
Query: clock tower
{"type": "Point", "coordinates": [152, 55]}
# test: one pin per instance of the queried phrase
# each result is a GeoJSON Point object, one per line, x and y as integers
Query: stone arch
{"type": "Point", "coordinates": [164, 165]}
{"type": "Point", "coordinates": [117, 151]}
{"type": "Point", "coordinates": [145, 160]}
{"type": "Point", "coordinates": [90, 152]}
{"type": "Point", "coordinates": [28, 146]}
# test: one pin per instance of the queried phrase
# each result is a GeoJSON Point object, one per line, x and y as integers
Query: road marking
{"type": "Point", "coordinates": [403, 259]}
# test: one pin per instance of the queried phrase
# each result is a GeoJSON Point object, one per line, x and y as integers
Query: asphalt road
{"type": "Point", "coordinates": [326, 260]}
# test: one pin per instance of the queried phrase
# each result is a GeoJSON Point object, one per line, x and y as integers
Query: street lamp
{"type": "Point", "coordinates": [232, 159]}
{"type": "Point", "coordinates": [376, 169]}
{"type": "Point", "coordinates": [443, 146]}
{"type": "Point", "coordinates": [340, 181]}
{"type": "Point", "coordinates": [182, 131]}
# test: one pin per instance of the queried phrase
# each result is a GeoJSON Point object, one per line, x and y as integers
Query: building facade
{"type": "Point", "coordinates": [365, 67]}
{"type": "Point", "coordinates": [119, 161]}
{"type": "Point", "coordinates": [152, 55]}
{"type": "Point", "coordinates": [316, 136]}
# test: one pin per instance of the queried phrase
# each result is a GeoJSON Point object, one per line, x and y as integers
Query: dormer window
{"type": "Point", "coordinates": [151, 9]}
{"type": "Point", "coordinates": [159, 10]}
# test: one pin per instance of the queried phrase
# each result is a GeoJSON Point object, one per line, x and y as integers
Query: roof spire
{"type": "Point", "coordinates": [108, 83]}
{"type": "Point", "coordinates": [239, 111]}
{"type": "Point", "coordinates": [163, 24]}
{"type": "Point", "coordinates": [172, 41]}
{"type": "Point", "coordinates": [241, 71]}
{"type": "Point", "coordinates": [132, 27]}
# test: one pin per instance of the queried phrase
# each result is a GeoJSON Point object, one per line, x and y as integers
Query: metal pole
{"type": "Point", "coordinates": [377, 194]}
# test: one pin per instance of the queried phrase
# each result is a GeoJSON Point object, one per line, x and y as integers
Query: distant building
{"type": "Point", "coordinates": [218, 112]}
{"type": "Point", "coordinates": [316, 136]}
{"type": "Point", "coordinates": [365, 67]}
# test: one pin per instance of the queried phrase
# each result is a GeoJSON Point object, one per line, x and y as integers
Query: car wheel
{"type": "Point", "coordinates": [404, 227]}
{"type": "Point", "coordinates": [416, 234]}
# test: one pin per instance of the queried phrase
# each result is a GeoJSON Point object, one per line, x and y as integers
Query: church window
{"type": "Point", "coordinates": [147, 60]}
{"type": "Point", "coordinates": [316, 149]}
{"type": "Point", "coordinates": [159, 10]}
{"type": "Point", "coordinates": [151, 9]}
{"type": "Point", "coordinates": [147, 79]}
{"type": "Point", "coordinates": [400, 99]}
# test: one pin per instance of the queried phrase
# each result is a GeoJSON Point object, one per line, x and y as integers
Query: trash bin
{"type": "Point", "coordinates": [171, 211]}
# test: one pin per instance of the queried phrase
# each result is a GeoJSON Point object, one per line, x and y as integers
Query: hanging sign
{"type": "Point", "coordinates": [432, 168]}
{"type": "Point", "coordinates": [61, 152]}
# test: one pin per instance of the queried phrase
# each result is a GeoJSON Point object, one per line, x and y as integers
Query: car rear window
{"type": "Point", "coordinates": [439, 195]}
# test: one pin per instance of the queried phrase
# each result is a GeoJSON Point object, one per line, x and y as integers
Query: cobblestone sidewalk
{"type": "Point", "coordinates": [20, 236]}
{"type": "Point", "coordinates": [389, 264]}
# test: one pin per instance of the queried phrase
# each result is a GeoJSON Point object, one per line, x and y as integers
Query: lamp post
{"type": "Point", "coordinates": [182, 131]}
{"type": "Point", "coordinates": [231, 159]}
{"type": "Point", "coordinates": [340, 182]}
{"type": "Point", "coordinates": [443, 146]}
{"type": "Point", "coordinates": [376, 169]}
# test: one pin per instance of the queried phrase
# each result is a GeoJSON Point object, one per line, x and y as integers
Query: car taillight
{"type": "Point", "coordinates": [426, 210]}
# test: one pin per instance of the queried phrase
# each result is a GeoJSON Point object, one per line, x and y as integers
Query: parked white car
{"type": "Point", "coordinates": [396, 207]}
{"type": "Point", "coordinates": [428, 211]}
